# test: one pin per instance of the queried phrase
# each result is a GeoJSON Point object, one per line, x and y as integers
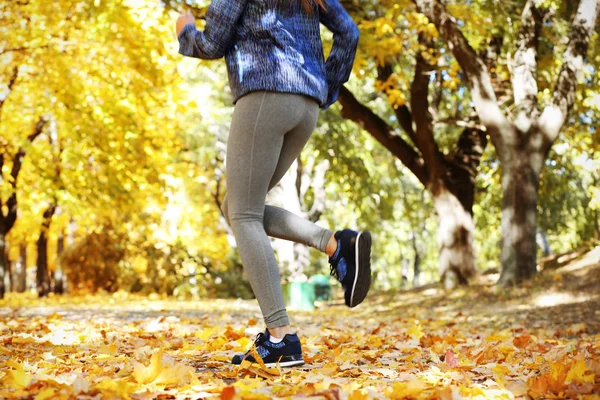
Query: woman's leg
{"type": "Point", "coordinates": [258, 132]}
{"type": "Point", "coordinates": [278, 222]}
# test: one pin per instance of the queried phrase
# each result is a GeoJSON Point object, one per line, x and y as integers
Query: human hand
{"type": "Point", "coordinates": [183, 20]}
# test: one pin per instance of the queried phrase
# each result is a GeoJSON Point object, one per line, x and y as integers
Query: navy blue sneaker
{"type": "Point", "coordinates": [288, 352]}
{"type": "Point", "coordinates": [351, 264]}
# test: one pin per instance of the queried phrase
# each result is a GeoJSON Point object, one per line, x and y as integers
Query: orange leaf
{"type": "Point", "coordinates": [451, 360]}
{"type": "Point", "coordinates": [521, 341]}
{"type": "Point", "coordinates": [358, 395]}
{"type": "Point", "coordinates": [228, 393]}
{"type": "Point", "coordinates": [539, 387]}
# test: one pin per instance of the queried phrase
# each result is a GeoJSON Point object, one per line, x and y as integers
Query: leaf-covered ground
{"type": "Point", "coordinates": [539, 341]}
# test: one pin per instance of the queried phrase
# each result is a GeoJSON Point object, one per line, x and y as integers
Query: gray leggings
{"type": "Point", "coordinates": [268, 133]}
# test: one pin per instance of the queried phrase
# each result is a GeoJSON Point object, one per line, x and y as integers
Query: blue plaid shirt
{"type": "Point", "coordinates": [275, 45]}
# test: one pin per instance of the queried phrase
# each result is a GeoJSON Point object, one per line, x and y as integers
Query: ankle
{"type": "Point", "coordinates": [280, 332]}
{"type": "Point", "coordinates": [331, 246]}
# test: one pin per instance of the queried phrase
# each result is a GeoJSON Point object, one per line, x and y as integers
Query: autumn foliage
{"type": "Point", "coordinates": [428, 344]}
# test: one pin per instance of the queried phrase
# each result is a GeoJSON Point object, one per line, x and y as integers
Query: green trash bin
{"type": "Point", "coordinates": [299, 296]}
{"type": "Point", "coordinates": [323, 290]}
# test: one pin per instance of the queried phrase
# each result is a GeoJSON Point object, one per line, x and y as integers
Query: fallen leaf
{"type": "Point", "coordinates": [451, 360]}
{"type": "Point", "coordinates": [228, 393]}
{"type": "Point", "coordinates": [17, 378]}
{"type": "Point", "coordinates": [580, 373]}
{"type": "Point", "coordinates": [416, 331]}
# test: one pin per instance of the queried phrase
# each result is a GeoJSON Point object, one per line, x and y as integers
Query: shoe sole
{"type": "Point", "coordinates": [286, 364]}
{"type": "Point", "coordinates": [362, 278]}
{"type": "Point", "coordinates": [293, 361]}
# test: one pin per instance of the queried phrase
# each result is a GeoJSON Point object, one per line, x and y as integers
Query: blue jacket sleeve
{"type": "Point", "coordinates": [338, 66]}
{"type": "Point", "coordinates": [221, 19]}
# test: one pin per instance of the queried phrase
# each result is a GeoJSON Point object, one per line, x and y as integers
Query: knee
{"type": "Point", "coordinates": [244, 221]}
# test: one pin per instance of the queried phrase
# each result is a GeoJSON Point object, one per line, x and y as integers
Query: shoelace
{"type": "Point", "coordinates": [333, 270]}
{"type": "Point", "coordinates": [260, 339]}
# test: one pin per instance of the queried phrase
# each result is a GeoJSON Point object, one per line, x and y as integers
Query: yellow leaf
{"type": "Point", "coordinates": [241, 343]}
{"type": "Point", "coordinates": [147, 374]}
{"type": "Point", "coordinates": [121, 388]}
{"type": "Point", "coordinates": [402, 390]}
{"type": "Point", "coordinates": [259, 360]}
{"type": "Point", "coordinates": [501, 370]}
{"type": "Point", "coordinates": [160, 374]}
{"type": "Point", "coordinates": [416, 331]}
{"type": "Point", "coordinates": [17, 378]}
{"type": "Point", "coordinates": [577, 373]}
{"type": "Point", "coordinates": [217, 344]}
{"type": "Point", "coordinates": [323, 385]}
{"type": "Point", "coordinates": [498, 337]}
{"type": "Point", "coordinates": [45, 394]}
{"type": "Point", "coordinates": [110, 350]}
{"type": "Point", "coordinates": [358, 395]}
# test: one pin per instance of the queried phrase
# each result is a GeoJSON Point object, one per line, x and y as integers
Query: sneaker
{"type": "Point", "coordinates": [287, 353]}
{"type": "Point", "coordinates": [351, 264]}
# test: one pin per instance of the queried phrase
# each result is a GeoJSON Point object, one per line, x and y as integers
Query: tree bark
{"type": "Point", "coordinates": [7, 221]}
{"type": "Point", "coordinates": [21, 270]}
{"type": "Point", "coordinates": [522, 144]}
{"type": "Point", "coordinates": [9, 269]}
{"type": "Point", "coordinates": [455, 236]}
{"type": "Point", "coordinates": [353, 110]}
{"type": "Point", "coordinates": [59, 281]}
{"type": "Point", "coordinates": [521, 168]}
{"type": "Point", "coordinates": [450, 181]}
{"type": "Point", "coordinates": [542, 243]}
{"type": "Point", "coordinates": [462, 166]}
{"type": "Point", "coordinates": [417, 262]}
{"type": "Point", "coordinates": [42, 275]}
{"type": "Point", "coordinates": [3, 265]}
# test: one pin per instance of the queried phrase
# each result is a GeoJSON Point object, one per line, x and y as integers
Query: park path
{"type": "Point", "coordinates": [540, 340]}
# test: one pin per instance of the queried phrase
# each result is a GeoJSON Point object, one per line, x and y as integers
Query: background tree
{"type": "Point", "coordinates": [523, 141]}
{"type": "Point", "coordinates": [396, 41]}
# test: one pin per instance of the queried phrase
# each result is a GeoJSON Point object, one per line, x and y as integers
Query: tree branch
{"type": "Point", "coordinates": [403, 114]}
{"type": "Point", "coordinates": [563, 98]}
{"type": "Point", "coordinates": [11, 83]}
{"type": "Point", "coordinates": [9, 219]}
{"type": "Point", "coordinates": [437, 94]}
{"type": "Point", "coordinates": [352, 109]}
{"type": "Point", "coordinates": [18, 158]}
{"type": "Point", "coordinates": [419, 95]}
{"type": "Point", "coordinates": [463, 165]}
{"type": "Point", "coordinates": [478, 79]}
{"type": "Point", "coordinates": [524, 71]}
{"type": "Point", "coordinates": [469, 121]}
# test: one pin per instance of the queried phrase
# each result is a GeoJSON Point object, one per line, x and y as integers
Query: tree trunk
{"type": "Point", "coordinates": [455, 240]}
{"type": "Point", "coordinates": [3, 265]}
{"type": "Point", "coordinates": [58, 274]}
{"type": "Point", "coordinates": [520, 183]}
{"type": "Point", "coordinates": [21, 270]}
{"type": "Point", "coordinates": [596, 227]}
{"type": "Point", "coordinates": [542, 242]}
{"type": "Point", "coordinates": [417, 262]}
{"type": "Point", "coordinates": [10, 272]}
{"type": "Point", "coordinates": [596, 236]}
{"type": "Point", "coordinates": [42, 275]}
